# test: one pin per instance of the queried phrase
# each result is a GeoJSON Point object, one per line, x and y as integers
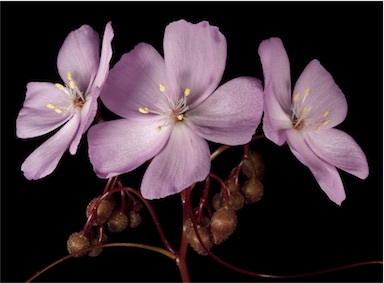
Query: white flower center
{"type": "Point", "coordinates": [172, 111]}
{"type": "Point", "coordinates": [76, 97]}
{"type": "Point", "coordinates": [300, 110]}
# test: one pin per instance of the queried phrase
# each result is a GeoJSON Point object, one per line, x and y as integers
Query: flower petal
{"type": "Point", "coordinates": [277, 89]}
{"type": "Point", "coordinates": [324, 98]}
{"type": "Point", "coordinates": [80, 55]}
{"type": "Point", "coordinates": [134, 81]}
{"type": "Point", "coordinates": [325, 174]}
{"type": "Point", "coordinates": [119, 146]}
{"type": "Point", "coordinates": [231, 114]}
{"type": "Point", "coordinates": [105, 57]}
{"type": "Point", "coordinates": [45, 158]}
{"type": "Point", "coordinates": [339, 149]}
{"type": "Point", "coordinates": [88, 113]}
{"type": "Point", "coordinates": [184, 160]}
{"type": "Point", "coordinates": [38, 115]}
{"type": "Point", "coordinates": [195, 56]}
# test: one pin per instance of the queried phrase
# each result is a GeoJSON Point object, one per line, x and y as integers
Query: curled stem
{"type": "Point", "coordinates": [127, 245]}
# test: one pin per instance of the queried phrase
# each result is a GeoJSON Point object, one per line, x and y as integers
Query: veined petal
{"type": "Point", "coordinates": [45, 158]}
{"type": "Point", "coordinates": [134, 82]}
{"type": "Point", "coordinates": [195, 56]}
{"type": "Point", "coordinates": [277, 89]}
{"type": "Point", "coordinates": [184, 160]}
{"type": "Point", "coordinates": [39, 114]}
{"type": "Point", "coordinates": [276, 70]}
{"type": "Point", "coordinates": [87, 113]}
{"type": "Point", "coordinates": [322, 97]}
{"type": "Point", "coordinates": [231, 114]}
{"type": "Point", "coordinates": [80, 55]}
{"type": "Point", "coordinates": [105, 57]}
{"type": "Point", "coordinates": [325, 174]}
{"type": "Point", "coordinates": [339, 149]}
{"type": "Point", "coordinates": [119, 146]}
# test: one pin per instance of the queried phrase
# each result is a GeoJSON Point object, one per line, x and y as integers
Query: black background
{"type": "Point", "coordinates": [293, 229]}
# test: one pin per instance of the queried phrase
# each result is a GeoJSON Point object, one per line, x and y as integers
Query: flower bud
{"type": "Point", "coordinates": [223, 224]}
{"type": "Point", "coordinates": [118, 221]}
{"type": "Point", "coordinates": [104, 209]}
{"type": "Point", "coordinates": [253, 190]}
{"type": "Point", "coordinates": [76, 242]}
{"type": "Point", "coordinates": [134, 219]}
{"type": "Point", "coordinates": [253, 165]}
{"type": "Point", "coordinates": [236, 200]}
{"type": "Point", "coordinates": [96, 242]}
{"type": "Point", "coordinates": [204, 234]}
{"type": "Point", "coordinates": [217, 201]}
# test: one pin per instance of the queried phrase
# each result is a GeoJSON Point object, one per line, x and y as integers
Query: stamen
{"type": "Point", "coordinates": [326, 122]}
{"type": "Point", "coordinates": [187, 91]}
{"type": "Point", "coordinates": [144, 110]}
{"type": "Point", "coordinates": [58, 110]}
{"type": "Point", "coordinates": [180, 117]}
{"type": "Point", "coordinates": [162, 87]}
{"type": "Point", "coordinates": [158, 128]}
{"type": "Point", "coordinates": [69, 76]}
{"type": "Point", "coordinates": [296, 96]}
{"type": "Point", "coordinates": [72, 84]}
{"type": "Point", "coordinates": [51, 105]}
{"type": "Point", "coordinates": [59, 86]}
{"type": "Point", "coordinates": [306, 92]}
{"type": "Point", "coordinates": [325, 114]}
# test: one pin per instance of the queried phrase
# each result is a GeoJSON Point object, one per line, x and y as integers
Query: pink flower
{"type": "Point", "coordinates": [170, 107]}
{"type": "Point", "coordinates": [72, 106]}
{"type": "Point", "coordinates": [306, 119]}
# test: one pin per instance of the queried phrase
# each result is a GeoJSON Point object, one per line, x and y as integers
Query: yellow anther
{"type": "Point", "coordinates": [180, 117]}
{"type": "Point", "coordinates": [296, 96]}
{"type": "Point", "coordinates": [187, 91]}
{"type": "Point", "coordinates": [158, 128]}
{"type": "Point", "coordinates": [51, 105]}
{"type": "Point", "coordinates": [162, 87]}
{"type": "Point", "coordinates": [72, 84]}
{"type": "Point", "coordinates": [144, 110]}
{"type": "Point", "coordinates": [318, 127]}
{"type": "Point", "coordinates": [325, 114]}
{"type": "Point", "coordinates": [58, 110]}
{"type": "Point", "coordinates": [305, 110]}
{"type": "Point", "coordinates": [306, 91]}
{"type": "Point", "coordinates": [69, 76]}
{"type": "Point", "coordinates": [326, 122]}
{"type": "Point", "coordinates": [59, 86]}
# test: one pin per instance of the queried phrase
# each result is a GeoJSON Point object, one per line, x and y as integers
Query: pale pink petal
{"type": "Point", "coordinates": [119, 146]}
{"type": "Point", "coordinates": [277, 89]}
{"type": "Point", "coordinates": [231, 114]}
{"type": "Point", "coordinates": [88, 113]}
{"type": "Point", "coordinates": [80, 55]}
{"type": "Point", "coordinates": [195, 56]}
{"type": "Point", "coordinates": [184, 160]}
{"type": "Point", "coordinates": [325, 174]}
{"type": "Point", "coordinates": [45, 158]}
{"type": "Point", "coordinates": [339, 149]}
{"type": "Point", "coordinates": [134, 82]}
{"type": "Point", "coordinates": [105, 57]}
{"type": "Point", "coordinates": [317, 90]}
{"type": "Point", "coordinates": [38, 115]}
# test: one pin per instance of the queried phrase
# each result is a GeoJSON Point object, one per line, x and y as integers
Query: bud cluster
{"type": "Point", "coordinates": [223, 221]}
{"type": "Point", "coordinates": [105, 214]}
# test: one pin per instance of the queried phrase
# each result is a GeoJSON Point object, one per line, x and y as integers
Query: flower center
{"type": "Point", "coordinates": [76, 98]}
{"type": "Point", "coordinates": [300, 117]}
{"type": "Point", "coordinates": [172, 111]}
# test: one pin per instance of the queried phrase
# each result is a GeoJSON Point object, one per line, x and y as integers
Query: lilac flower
{"type": "Point", "coordinates": [170, 106]}
{"type": "Point", "coordinates": [306, 119]}
{"type": "Point", "coordinates": [72, 106]}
